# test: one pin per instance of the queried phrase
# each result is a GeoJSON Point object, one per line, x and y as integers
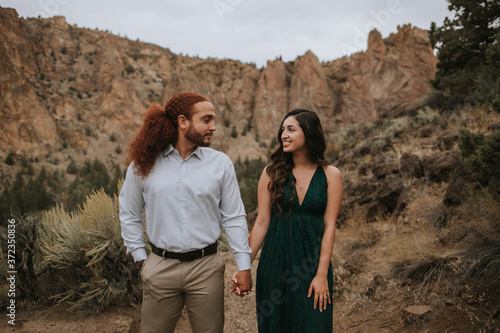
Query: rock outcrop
{"type": "Point", "coordinates": [65, 89]}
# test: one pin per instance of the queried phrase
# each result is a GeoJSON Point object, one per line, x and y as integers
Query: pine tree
{"type": "Point", "coordinates": [462, 45]}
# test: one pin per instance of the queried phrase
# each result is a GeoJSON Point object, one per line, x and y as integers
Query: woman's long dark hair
{"type": "Point", "coordinates": [282, 163]}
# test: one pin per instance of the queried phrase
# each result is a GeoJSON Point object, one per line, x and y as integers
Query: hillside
{"type": "Point", "coordinates": [65, 90]}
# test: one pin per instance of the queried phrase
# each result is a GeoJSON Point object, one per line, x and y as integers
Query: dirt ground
{"type": "Point", "coordinates": [239, 314]}
{"type": "Point", "coordinates": [369, 303]}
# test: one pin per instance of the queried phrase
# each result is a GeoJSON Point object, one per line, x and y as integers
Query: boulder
{"type": "Point", "coordinates": [460, 184]}
{"type": "Point", "coordinates": [385, 198]}
{"type": "Point", "coordinates": [439, 166]}
{"type": "Point", "coordinates": [446, 142]}
{"type": "Point", "coordinates": [426, 131]}
{"type": "Point", "coordinates": [383, 169]}
{"type": "Point", "coordinates": [410, 166]}
{"type": "Point", "coordinates": [416, 314]}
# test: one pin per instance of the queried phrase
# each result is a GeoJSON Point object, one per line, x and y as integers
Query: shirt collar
{"type": "Point", "coordinates": [198, 153]}
{"type": "Point", "coordinates": [169, 149]}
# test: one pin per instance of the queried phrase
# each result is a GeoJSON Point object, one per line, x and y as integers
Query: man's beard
{"type": "Point", "coordinates": [196, 137]}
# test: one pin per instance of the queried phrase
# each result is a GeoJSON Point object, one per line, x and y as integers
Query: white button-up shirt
{"type": "Point", "coordinates": [186, 204]}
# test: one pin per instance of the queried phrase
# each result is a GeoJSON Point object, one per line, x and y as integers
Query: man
{"type": "Point", "coordinates": [188, 191]}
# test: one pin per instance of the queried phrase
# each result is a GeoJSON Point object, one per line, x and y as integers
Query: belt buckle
{"type": "Point", "coordinates": [186, 256]}
{"type": "Point", "coordinates": [192, 255]}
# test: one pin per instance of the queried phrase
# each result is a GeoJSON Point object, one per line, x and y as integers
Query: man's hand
{"type": "Point", "coordinates": [242, 283]}
{"type": "Point", "coordinates": [138, 264]}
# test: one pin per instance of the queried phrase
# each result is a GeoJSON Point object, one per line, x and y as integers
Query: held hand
{"type": "Point", "coordinates": [235, 288]}
{"type": "Point", "coordinates": [321, 295]}
{"type": "Point", "coordinates": [242, 283]}
{"type": "Point", "coordinates": [244, 279]}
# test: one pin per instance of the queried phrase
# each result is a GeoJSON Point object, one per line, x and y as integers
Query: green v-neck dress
{"type": "Point", "coordinates": [289, 261]}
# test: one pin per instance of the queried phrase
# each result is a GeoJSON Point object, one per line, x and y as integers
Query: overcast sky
{"type": "Point", "coordinates": [246, 30]}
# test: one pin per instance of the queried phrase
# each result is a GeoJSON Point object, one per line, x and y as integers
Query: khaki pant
{"type": "Point", "coordinates": [169, 284]}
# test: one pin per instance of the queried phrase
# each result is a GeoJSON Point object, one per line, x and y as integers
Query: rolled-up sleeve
{"type": "Point", "coordinates": [131, 205]}
{"type": "Point", "coordinates": [234, 218]}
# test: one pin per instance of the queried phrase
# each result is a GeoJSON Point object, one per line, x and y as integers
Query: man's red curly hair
{"type": "Point", "coordinates": [159, 129]}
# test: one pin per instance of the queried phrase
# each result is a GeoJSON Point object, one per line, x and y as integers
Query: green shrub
{"type": "Point", "coordinates": [9, 160]}
{"type": "Point", "coordinates": [234, 133]}
{"type": "Point", "coordinates": [249, 194]}
{"type": "Point", "coordinates": [26, 195]}
{"type": "Point", "coordinates": [72, 169]}
{"type": "Point", "coordinates": [130, 69]}
{"type": "Point", "coordinates": [480, 155]}
{"type": "Point", "coordinates": [427, 116]}
{"type": "Point", "coordinates": [463, 45]}
{"type": "Point", "coordinates": [90, 177]}
{"type": "Point", "coordinates": [248, 174]}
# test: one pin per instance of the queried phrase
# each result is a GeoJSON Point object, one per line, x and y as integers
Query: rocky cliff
{"type": "Point", "coordinates": [67, 91]}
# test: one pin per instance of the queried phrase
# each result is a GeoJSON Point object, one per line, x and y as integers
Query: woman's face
{"type": "Point", "coordinates": [293, 137]}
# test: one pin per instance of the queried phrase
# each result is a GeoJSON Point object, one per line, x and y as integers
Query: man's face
{"type": "Point", "coordinates": [201, 124]}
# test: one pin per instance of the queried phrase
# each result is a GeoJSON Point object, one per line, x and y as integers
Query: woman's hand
{"type": "Point", "coordinates": [236, 288]}
{"type": "Point", "coordinates": [321, 295]}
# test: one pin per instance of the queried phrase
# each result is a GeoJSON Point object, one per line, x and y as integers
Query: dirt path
{"type": "Point", "coordinates": [240, 315]}
{"type": "Point", "coordinates": [369, 303]}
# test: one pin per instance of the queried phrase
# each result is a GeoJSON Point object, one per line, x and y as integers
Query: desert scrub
{"type": "Point", "coordinates": [349, 136]}
{"type": "Point", "coordinates": [480, 155]}
{"type": "Point", "coordinates": [356, 234]}
{"type": "Point", "coordinates": [88, 245]}
{"type": "Point", "coordinates": [75, 258]}
{"type": "Point", "coordinates": [223, 244]}
{"type": "Point", "coordinates": [476, 235]}
{"type": "Point", "coordinates": [419, 255]}
{"type": "Point", "coordinates": [473, 118]}
{"type": "Point", "coordinates": [395, 127]}
{"type": "Point", "coordinates": [426, 115]}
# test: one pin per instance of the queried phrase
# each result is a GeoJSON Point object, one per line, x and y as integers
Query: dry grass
{"type": "Point", "coordinates": [418, 255]}
{"type": "Point", "coordinates": [352, 239]}
{"type": "Point", "coordinates": [356, 234]}
{"type": "Point", "coordinates": [475, 119]}
{"type": "Point", "coordinates": [476, 234]}
{"type": "Point", "coordinates": [89, 248]}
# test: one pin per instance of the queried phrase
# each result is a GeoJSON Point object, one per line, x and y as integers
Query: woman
{"type": "Point", "coordinates": [299, 197]}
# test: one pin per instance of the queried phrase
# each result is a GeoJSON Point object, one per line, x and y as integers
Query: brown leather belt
{"type": "Point", "coordinates": [187, 256]}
